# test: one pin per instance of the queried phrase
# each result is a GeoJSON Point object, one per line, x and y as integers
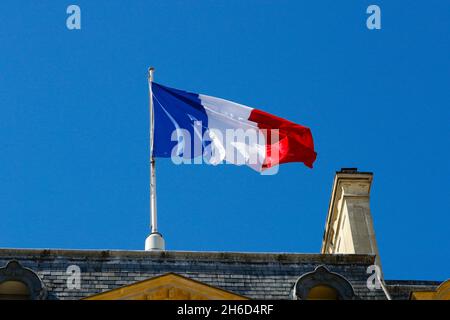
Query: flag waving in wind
{"type": "Point", "coordinates": [189, 125]}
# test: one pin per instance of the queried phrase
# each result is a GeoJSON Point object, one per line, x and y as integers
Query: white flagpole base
{"type": "Point", "coordinates": [155, 242]}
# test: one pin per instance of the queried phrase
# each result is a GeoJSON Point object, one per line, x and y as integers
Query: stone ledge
{"type": "Point", "coordinates": [226, 257]}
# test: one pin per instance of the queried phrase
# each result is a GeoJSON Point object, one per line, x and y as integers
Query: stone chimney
{"type": "Point", "coordinates": [349, 227]}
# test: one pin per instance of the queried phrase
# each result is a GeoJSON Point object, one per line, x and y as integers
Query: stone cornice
{"type": "Point", "coordinates": [226, 257]}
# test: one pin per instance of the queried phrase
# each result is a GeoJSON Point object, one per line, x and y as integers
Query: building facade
{"type": "Point", "coordinates": [348, 267]}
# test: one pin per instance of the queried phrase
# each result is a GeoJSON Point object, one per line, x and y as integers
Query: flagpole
{"type": "Point", "coordinates": [155, 240]}
{"type": "Point", "coordinates": [153, 213]}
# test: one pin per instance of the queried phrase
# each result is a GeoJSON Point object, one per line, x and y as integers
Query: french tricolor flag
{"type": "Point", "coordinates": [190, 125]}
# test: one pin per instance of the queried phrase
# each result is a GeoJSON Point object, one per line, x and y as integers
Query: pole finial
{"type": "Point", "coordinates": [150, 72]}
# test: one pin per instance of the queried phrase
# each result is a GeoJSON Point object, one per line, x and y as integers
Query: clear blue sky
{"type": "Point", "coordinates": [74, 123]}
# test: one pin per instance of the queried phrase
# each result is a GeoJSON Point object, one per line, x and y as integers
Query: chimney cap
{"type": "Point", "coordinates": [348, 170]}
{"type": "Point", "coordinates": [352, 171]}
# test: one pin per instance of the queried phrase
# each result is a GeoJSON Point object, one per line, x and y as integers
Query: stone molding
{"type": "Point", "coordinates": [322, 276]}
{"type": "Point", "coordinates": [14, 271]}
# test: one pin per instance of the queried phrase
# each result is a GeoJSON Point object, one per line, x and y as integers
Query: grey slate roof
{"type": "Point", "coordinates": [254, 275]}
{"type": "Point", "coordinates": [401, 289]}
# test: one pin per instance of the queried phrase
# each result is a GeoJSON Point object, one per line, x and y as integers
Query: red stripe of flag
{"type": "Point", "coordinates": [295, 143]}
